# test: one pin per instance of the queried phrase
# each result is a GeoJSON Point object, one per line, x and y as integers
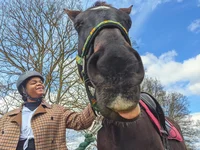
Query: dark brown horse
{"type": "Point", "coordinates": [108, 63]}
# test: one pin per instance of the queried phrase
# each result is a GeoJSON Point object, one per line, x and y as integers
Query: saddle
{"type": "Point", "coordinates": [155, 112]}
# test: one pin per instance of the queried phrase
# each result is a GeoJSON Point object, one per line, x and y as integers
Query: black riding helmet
{"type": "Point", "coordinates": [22, 80]}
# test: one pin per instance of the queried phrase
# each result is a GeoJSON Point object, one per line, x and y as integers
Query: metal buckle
{"type": "Point", "coordinates": [164, 137]}
{"type": "Point", "coordinates": [164, 133]}
{"type": "Point", "coordinates": [96, 124]}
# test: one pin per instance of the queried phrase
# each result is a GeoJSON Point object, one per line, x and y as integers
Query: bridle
{"type": "Point", "coordinates": [82, 62]}
{"type": "Point", "coordinates": [82, 59]}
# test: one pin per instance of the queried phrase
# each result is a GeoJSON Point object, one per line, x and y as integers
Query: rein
{"type": "Point", "coordinates": [81, 60]}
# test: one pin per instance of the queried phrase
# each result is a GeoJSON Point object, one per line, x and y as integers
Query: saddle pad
{"type": "Point", "coordinates": [174, 134]}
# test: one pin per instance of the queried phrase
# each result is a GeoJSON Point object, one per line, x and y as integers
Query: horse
{"type": "Point", "coordinates": [108, 63]}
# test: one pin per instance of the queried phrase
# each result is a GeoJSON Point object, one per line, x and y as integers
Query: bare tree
{"type": "Point", "coordinates": [175, 106]}
{"type": "Point", "coordinates": [37, 35]}
{"type": "Point", "coordinates": [154, 87]}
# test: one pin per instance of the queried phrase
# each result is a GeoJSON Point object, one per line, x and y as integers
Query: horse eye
{"type": "Point", "coordinates": [78, 24]}
{"type": "Point", "coordinates": [128, 22]}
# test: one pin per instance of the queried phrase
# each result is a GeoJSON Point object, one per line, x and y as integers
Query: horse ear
{"type": "Point", "coordinates": [71, 13]}
{"type": "Point", "coordinates": [126, 10]}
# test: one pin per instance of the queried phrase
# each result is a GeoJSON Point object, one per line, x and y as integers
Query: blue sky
{"type": "Point", "coordinates": [168, 36]}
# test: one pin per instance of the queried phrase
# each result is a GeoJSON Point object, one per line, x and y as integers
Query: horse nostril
{"type": "Point", "coordinates": [113, 64]}
{"type": "Point", "coordinates": [93, 71]}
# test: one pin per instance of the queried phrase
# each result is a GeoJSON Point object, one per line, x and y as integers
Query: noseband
{"type": "Point", "coordinates": [86, 52]}
{"type": "Point", "coordinates": [93, 33]}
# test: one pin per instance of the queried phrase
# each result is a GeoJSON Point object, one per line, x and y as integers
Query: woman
{"type": "Point", "coordinates": [37, 125]}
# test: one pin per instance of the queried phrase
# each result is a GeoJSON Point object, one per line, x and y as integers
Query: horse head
{"type": "Point", "coordinates": [107, 59]}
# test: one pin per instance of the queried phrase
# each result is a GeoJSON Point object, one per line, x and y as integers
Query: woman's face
{"type": "Point", "coordinates": [35, 87]}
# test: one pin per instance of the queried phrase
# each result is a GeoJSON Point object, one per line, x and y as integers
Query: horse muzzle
{"type": "Point", "coordinates": [115, 64]}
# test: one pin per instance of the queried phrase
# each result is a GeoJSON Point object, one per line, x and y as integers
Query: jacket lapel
{"type": "Point", "coordinates": [16, 116]}
{"type": "Point", "coordinates": [41, 108]}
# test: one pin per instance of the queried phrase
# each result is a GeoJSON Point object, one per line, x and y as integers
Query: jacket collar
{"type": "Point", "coordinates": [18, 110]}
{"type": "Point", "coordinates": [16, 115]}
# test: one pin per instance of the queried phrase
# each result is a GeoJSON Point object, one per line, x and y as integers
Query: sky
{"type": "Point", "coordinates": [167, 33]}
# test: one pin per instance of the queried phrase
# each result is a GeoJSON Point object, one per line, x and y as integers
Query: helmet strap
{"type": "Point", "coordinates": [26, 96]}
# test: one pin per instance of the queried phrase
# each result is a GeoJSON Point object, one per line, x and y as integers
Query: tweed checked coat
{"type": "Point", "coordinates": [49, 123]}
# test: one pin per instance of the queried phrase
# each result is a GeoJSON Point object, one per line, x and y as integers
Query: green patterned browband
{"type": "Point", "coordinates": [93, 33]}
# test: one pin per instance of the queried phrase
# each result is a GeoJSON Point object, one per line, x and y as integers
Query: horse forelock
{"type": "Point", "coordinates": [100, 5]}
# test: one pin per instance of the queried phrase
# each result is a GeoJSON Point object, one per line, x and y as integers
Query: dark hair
{"type": "Point", "coordinates": [101, 3]}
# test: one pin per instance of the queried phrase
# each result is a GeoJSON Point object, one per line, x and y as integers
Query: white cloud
{"type": "Point", "coordinates": [195, 116]}
{"type": "Point", "coordinates": [195, 88]}
{"type": "Point", "coordinates": [182, 77]}
{"type": "Point", "coordinates": [195, 26]}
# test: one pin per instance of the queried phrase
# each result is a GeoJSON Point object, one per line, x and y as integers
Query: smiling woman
{"type": "Point", "coordinates": [35, 88]}
{"type": "Point", "coordinates": [37, 124]}
{"type": "Point", "coordinates": [30, 86]}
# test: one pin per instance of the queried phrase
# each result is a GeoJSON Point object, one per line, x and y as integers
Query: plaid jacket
{"type": "Point", "coordinates": [49, 124]}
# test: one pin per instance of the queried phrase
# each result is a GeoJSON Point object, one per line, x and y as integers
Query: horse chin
{"type": "Point", "coordinates": [113, 102]}
{"type": "Point", "coordinates": [130, 114]}
{"type": "Point", "coordinates": [120, 106]}
{"type": "Point", "coordinates": [128, 110]}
